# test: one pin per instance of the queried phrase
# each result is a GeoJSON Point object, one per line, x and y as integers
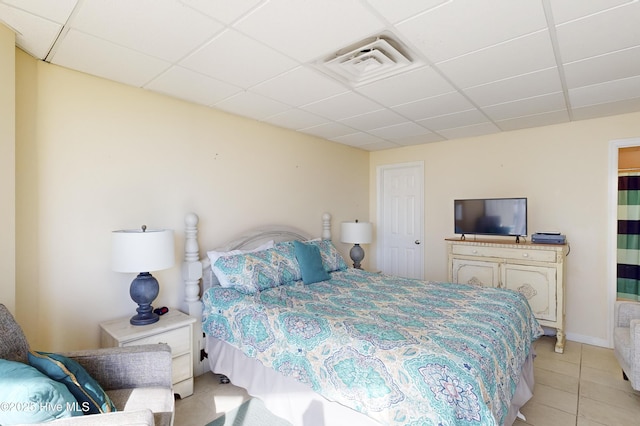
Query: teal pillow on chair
{"type": "Point", "coordinates": [90, 395]}
{"type": "Point", "coordinates": [28, 396]}
{"type": "Point", "coordinates": [310, 262]}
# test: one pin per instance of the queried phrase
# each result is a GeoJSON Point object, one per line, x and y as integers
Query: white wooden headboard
{"type": "Point", "coordinates": [193, 266]}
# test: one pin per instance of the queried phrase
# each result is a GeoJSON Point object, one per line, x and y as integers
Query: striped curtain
{"type": "Point", "coordinates": [629, 236]}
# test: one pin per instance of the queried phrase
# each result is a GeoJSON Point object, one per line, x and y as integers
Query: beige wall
{"type": "Point", "coordinates": [100, 156]}
{"type": "Point", "coordinates": [561, 169]}
{"type": "Point", "coordinates": [7, 168]}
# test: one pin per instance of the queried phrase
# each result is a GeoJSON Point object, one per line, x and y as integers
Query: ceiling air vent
{"type": "Point", "coordinates": [372, 59]}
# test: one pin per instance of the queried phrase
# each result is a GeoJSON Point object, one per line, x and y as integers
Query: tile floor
{"type": "Point", "coordinates": [582, 387]}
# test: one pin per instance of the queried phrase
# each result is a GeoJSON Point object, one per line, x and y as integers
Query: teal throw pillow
{"type": "Point", "coordinates": [89, 394]}
{"type": "Point", "coordinates": [28, 396]}
{"type": "Point", "coordinates": [310, 262]}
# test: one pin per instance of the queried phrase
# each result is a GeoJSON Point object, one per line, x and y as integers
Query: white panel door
{"type": "Point", "coordinates": [400, 225]}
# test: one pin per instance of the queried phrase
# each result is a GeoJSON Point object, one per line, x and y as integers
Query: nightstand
{"type": "Point", "coordinates": [174, 328]}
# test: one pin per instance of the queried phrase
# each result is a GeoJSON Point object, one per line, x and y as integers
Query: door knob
{"type": "Point", "coordinates": [417, 241]}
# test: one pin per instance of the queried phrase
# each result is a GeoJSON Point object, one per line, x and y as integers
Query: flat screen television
{"type": "Point", "coordinates": [491, 216]}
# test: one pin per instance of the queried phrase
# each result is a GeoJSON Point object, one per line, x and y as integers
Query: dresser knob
{"type": "Point", "coordinates": [525, 255]}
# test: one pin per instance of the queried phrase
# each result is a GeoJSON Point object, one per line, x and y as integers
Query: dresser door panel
{"type": "Point", "coordinates": [476, 272]}
{"type": "Point", "coordinates": [537, 284]}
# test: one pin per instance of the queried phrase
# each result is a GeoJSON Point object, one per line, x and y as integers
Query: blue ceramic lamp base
{"type": "Point", "coordinates": [357, 254]}
{"type": "Point", "coordinates": [144, 289]}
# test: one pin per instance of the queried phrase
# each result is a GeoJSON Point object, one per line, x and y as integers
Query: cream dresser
{"type": "Point", "coordinates": [174, 328]}
{"type": "Point", "coordinates": [535, 270]}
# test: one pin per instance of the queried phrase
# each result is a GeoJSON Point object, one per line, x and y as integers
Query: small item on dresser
{"type": "Point", "coordinates": [548, 238]}
{"type": "Point", "coordinates": [161, 311]}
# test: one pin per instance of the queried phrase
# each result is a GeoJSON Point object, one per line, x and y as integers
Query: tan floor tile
{"type": "Point", "coordinates": [543, 415]}
{"type": "Point", "coordinates": [557, 366]}
{"type": "Point", "coordinates": [556, 380]}
{"type": "Point", "coordinates": [600, 358]}
{"type": "Point", "coordinates": [545, 347]}
{"type": "Point", "coordinates": [565, 401]}
{"type": "Point", "coordinates": [611, 396]}
{"type": "Point", "coordinates": [605, 414]}
{"type": "Point", "coordinates": [605, 378]}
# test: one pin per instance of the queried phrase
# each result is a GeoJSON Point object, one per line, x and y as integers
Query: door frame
{"type": "Point", "coordinates": [612, 226]}
{"type": "Point", "coordinates": [379, 209]}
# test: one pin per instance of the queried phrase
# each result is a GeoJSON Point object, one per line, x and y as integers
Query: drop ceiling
{"type": "Point", "coordinates": [476, 67]}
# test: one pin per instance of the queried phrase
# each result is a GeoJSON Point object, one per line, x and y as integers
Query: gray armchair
{"type": "Point", "coordinates": [136, 378]}
{"type": "Point", "coordinates": [626, 340]}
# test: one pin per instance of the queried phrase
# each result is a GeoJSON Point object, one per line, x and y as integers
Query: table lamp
{"type": "Point", "coordinates": [140, 251]}
{"type": "Point", "coordinates": [356, 233]}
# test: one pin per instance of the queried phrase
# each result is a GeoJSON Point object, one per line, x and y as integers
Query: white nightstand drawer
{"type": "Point", "coordinates": [179, 340]}
{"type": "Point", "coordinates": [181, 368]}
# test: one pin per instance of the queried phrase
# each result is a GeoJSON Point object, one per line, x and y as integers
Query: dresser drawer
{"type": "Point", "coordinates": [179, 340]}
{"type": "Point", "coordinates": [505, 253]}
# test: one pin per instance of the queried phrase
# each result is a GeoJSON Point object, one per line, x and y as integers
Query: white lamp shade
{"type": "Point", "coordinates": [133, 250]}
{"type": "Point", "coordinates": [356, 232]}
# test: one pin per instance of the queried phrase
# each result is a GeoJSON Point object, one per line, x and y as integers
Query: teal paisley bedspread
{"type": "Point", "coordinates": [402, 351]}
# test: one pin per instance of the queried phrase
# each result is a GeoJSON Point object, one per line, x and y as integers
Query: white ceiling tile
{"type": "Point", "coordinates": [396, 11]}
{"type": "Point", "coordinates": [223, 10]}
{"type": "Point", "coordinates": [170, 30]}
{"type": "Point", "coordinates": [378, 146]}
{"type": "Point", "coordinates": [251, 105]}
{"type": "Point", "coordinates": [545, 119]}
{"type": "Point", "coordinates": [92, 55]}
{"type": "Point", "coordinates": [299, 87]}
{"type": "Point", "coordinates": [408, 87]}
{"type": "Point", "coordinates": [529, 106]}
{"type": "Point", "coordinates": [467, 118]}
{"type": "Point", "coordinates": [461, 27]}
{"type": "Point", "coordinates": [57, 11]}
{"type": "Point", "coordinates": [601, 33]}
{"type": "Point", "coordinates": [470, 131]}
{"type": "Point", "coordinates": [35, 35]}
{"type": "Point", "coordinates": [191, 86]}
{"type": "Point", "coordinates": [358, 139]}
{"type": "Point", "coordinates": [568, 10]}
{"type": "Point", "coordinates": [435, 106]}
{"type": "Point", "coordinates": [611, 91]}
{"type": "Point", "coordinates": [329, 130]}
{"type": "Point", "coordinates": [606, 109]}
{"type": "Point", "coordinates": [238, 60]}
{"type": "Point", "coordinates": [614, 66]}
{"type": "Point", "coordinates": [519, 56]}
{"type": "Point", "coordinates": [510, 89]}
{"type": "Point", "coordinates": [373, 120]}
{"type": "Point", "coordinates": [296, 119]}
{"type": "Point", "coordinates": [419, 139]}
{"type": "Point", "coordinates": [319, 27]}
{"type": "Point", "coordinates": [342, 106]}
{"type": "Point", "coordinates": [400, 131]}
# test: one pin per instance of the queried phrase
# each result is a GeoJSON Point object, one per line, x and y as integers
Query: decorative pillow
{"type": "Point", "coordinates": [331, 257]}
{"type": "Point", "coordinates": [283, 256]}
{"type": "Point", "coordinates": [246, 273]}
{"type": "Point", "coordinates": [92, 398]}
{"type": "Point", "coordinates": [215, 255]}
{"type": "Point", "coordinates": [28, 396]}
{"type": "Point", "coordinates": [310, 262]}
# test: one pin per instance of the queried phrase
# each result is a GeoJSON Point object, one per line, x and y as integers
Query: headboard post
{"type": "Point", "coordinates": [326, 226]}
{"type": "Point", "coordinates": [192, 267]}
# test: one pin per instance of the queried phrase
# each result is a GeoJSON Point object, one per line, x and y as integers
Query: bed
{"type": "Point", "coordinates": [356, 347]}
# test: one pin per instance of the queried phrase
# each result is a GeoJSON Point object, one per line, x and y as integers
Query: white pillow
{"type": "Point", "coordinates": [215, 255]}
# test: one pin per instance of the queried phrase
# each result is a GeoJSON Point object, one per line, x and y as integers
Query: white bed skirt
{"type": "Point", "coordinates": [297, 403]}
